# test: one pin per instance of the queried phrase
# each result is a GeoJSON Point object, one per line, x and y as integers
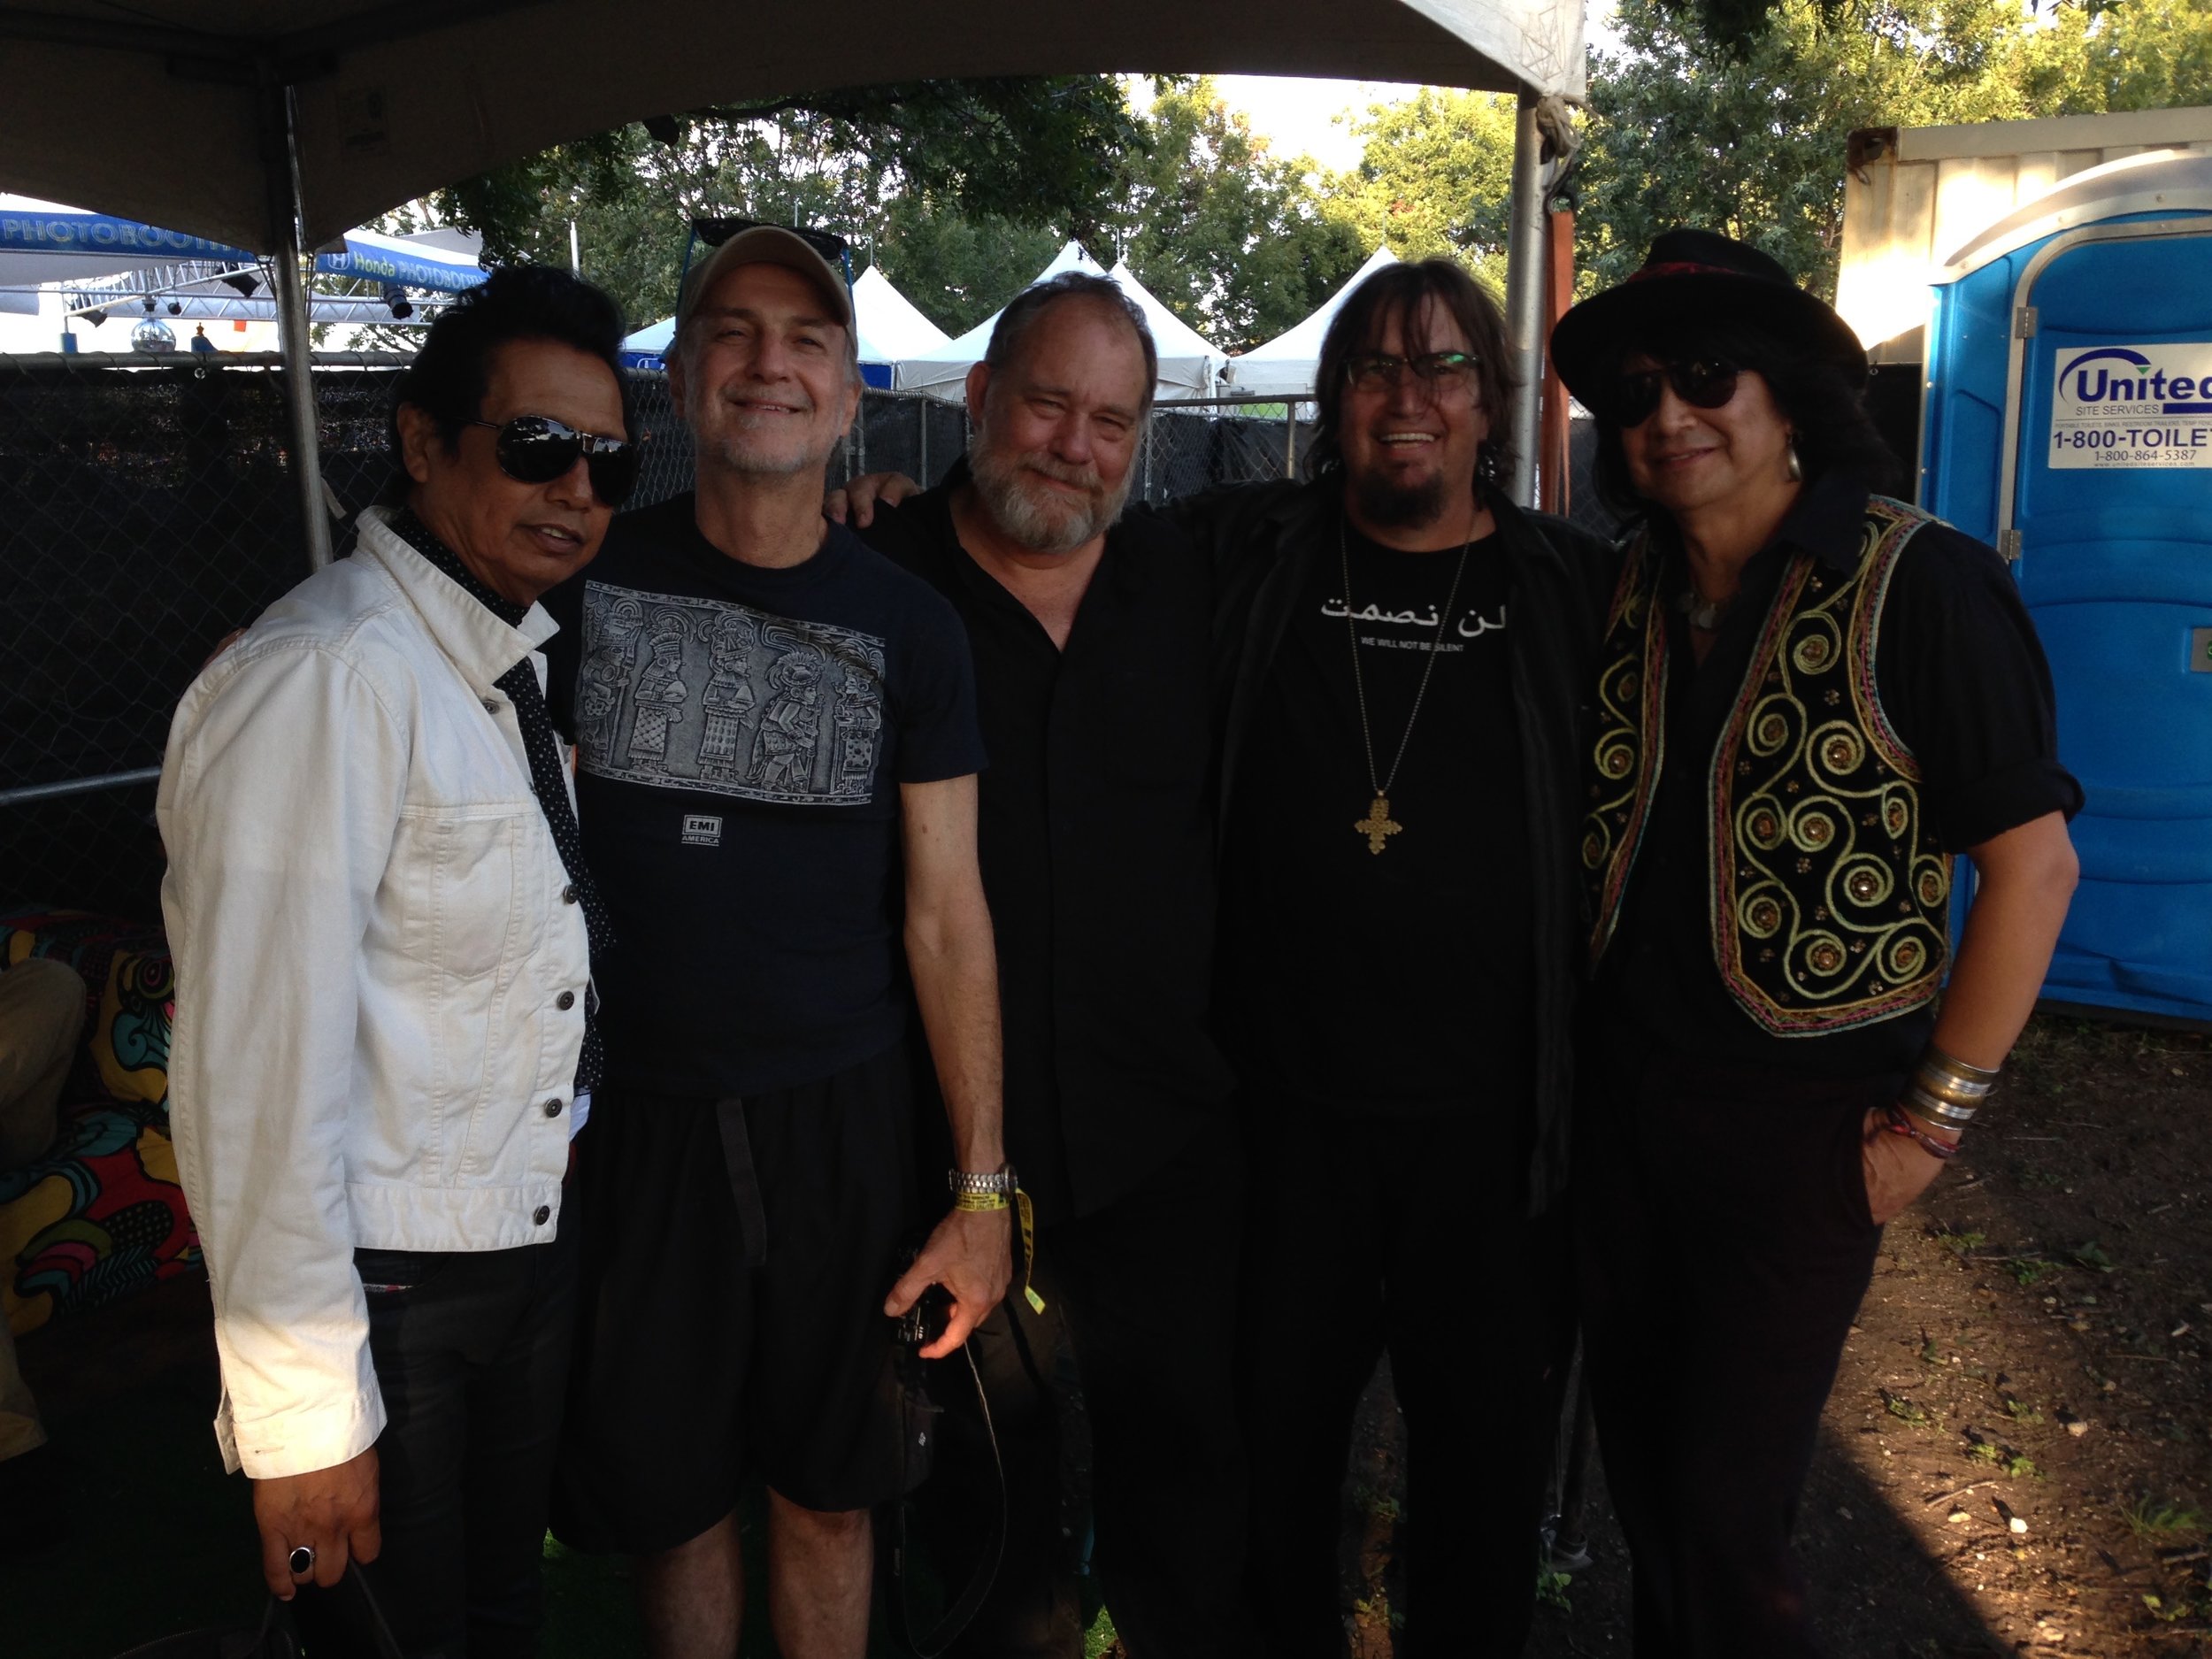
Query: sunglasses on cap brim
{"type": "Point", "coordinates": [1701, 382]}
{"type": "Point", "coordinates": [537, 449]}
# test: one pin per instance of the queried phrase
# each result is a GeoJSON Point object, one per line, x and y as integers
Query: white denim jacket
{"type": "Point", "coordinates": [380, 980]}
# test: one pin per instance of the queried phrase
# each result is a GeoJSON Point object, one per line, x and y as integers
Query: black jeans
{"type": "Point", "coordinates": [1141, 1293]}
{"type": "Point", "coordinates": [471, 1349]}
{"type": "Point", "coordinates": [1367, 1234]}
{"type": "Point", "coordinates": [1725, 1244]}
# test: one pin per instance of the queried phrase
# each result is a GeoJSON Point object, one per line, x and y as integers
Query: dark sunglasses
{"type": "Point", "coordinates": [1701, 382]}
{"type": "Point", "coordinates": [537, 449]}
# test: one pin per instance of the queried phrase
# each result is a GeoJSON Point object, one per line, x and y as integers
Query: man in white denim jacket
{"type": "Point", "coordinates": [383, 978]}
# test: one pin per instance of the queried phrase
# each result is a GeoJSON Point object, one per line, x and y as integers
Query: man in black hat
{"type": "Point", "coordinates": [1811, 697]}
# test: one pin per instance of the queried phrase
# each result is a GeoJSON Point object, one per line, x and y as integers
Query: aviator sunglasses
{"type": "Point", "coordinates": [1701, 382]}
{"type": "Point", "coordinates": [537, 449]}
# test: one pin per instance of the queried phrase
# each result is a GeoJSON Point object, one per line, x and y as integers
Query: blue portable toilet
{"type": "Point", "coordinates": [2067, 420]}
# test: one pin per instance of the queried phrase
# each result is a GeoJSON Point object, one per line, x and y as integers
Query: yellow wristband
{"type": "Point", "coordinates": [976, 1203]}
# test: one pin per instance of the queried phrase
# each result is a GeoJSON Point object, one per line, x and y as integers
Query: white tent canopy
{"type": "Point", "coordinates": [1187, 361]}
{"type": "Point", "coordinates": [1285, 364]}
{"type": "Point", "coordinates": [889, 325]}
{"type": "Point", "coordinates": [942, 370]}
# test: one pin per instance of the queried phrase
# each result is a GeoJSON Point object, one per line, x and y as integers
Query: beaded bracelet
{"type": "Point", "coordinates": [1901, 1125]}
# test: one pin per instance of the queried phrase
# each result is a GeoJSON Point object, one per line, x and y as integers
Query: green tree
{"type": "Point", "coordinates": [958, 269]}
{"type": "Point", "coordinates": [1749, 138]}
{"type": "Point", "coordinates": [1031, 152]}
{"type": "Point", "coordinates": [1435, 177]}
{"type": "Point", "coordinates": [1233, 238]}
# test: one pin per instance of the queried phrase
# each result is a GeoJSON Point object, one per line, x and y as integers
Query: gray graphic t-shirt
{"type": "Point", "coordinates": [742, 734]}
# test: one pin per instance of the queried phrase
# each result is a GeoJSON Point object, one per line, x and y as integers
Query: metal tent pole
{"type": "Point", "coordinates": [280, 162]}
{"type": "Point", "coordinates": [1524, 297]}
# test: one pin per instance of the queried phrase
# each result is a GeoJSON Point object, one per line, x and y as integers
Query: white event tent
{"type": "Point", "coordinates": [891, 327]}
{"type": "Point", "coordinates": [1187, 360]}
{"type": "Point", "coordinates": [1285, 365]}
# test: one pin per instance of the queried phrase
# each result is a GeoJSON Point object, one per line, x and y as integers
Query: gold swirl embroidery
{"type": "Point", "coordinates": [1850, 831]}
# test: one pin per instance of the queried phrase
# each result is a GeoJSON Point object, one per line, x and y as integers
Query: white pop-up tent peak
{"type": "Point", "coordinates": [1285, 365]}
{"type": "Point", "coordinates": [1187, 359]}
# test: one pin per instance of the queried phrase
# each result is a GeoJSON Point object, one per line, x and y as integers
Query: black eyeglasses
{"type": "Point", "coordinates": [1701, 382]}
{"type": "Point", "coordinates": [537, 449]}
{"type": "Point", "coordinates": [1438, 371]}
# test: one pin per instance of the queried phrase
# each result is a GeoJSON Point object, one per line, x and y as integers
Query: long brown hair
{"type": "Point", "coordinates": [1404, 292]}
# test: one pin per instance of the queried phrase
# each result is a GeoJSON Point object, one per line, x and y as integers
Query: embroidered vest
{"type": "Point", "coordinates": [1830, 899]}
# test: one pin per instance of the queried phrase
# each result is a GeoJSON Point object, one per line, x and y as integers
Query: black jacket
{"type": "Point", "coordinates": [1263, 540]}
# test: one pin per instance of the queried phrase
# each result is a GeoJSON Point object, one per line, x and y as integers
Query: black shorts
{"type": "Point", "coordinates": [709, 1351]}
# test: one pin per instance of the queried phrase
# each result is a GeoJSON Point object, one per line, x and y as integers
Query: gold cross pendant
{"type": "Point", "coordinates": [1377, 825]}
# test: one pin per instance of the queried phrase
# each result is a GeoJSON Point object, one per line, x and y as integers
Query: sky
{"type": "Point", "coordinates": [1309, 116]}
{"type": "Point", "coordinates": [1315, 116]}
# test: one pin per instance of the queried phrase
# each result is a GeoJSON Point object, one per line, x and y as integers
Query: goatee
{"type": "Point", "coordinates": [1398, 505]}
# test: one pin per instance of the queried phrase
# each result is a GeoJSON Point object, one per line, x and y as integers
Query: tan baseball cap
{"type": "Point", "coordinates": [769, 244]}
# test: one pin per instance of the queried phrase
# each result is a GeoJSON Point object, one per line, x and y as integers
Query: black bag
{"type": "Point", "coordinates": [274, 1638]}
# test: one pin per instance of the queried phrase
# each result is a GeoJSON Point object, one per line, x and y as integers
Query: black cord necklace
{"type": "Point", "coordinates": [1378, 826]}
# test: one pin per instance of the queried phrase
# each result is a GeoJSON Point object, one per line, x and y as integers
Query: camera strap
{"type": "Point", "coordinates": [941, 1635]}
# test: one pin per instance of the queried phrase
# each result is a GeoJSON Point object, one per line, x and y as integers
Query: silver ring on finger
{"type": "Point", "coordinates": [302, 1559]}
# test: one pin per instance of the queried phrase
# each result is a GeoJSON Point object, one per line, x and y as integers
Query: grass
{"type": "Point", "coordinates": [2162, 1520]}
{"type": "Point", "coordinates": [1905, 1410]}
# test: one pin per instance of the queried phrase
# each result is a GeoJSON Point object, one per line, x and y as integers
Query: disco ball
{"type": "Point", "coordinates": [153, 335]}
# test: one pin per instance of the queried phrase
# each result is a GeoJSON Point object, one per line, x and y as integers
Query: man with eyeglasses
{"type": "Point", "coordinates": [777, 760]}
{"type": "Point", "coordinates": [1401, 658]}
{"type": "Point", "coordinates": [1405, 658]}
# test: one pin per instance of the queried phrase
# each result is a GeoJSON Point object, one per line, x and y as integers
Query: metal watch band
{"type": "Point", "coordinates": [966, 1183]}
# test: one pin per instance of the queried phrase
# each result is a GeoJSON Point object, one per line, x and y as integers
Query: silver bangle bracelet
{"type": "Point", "coordinates": [969, 1183]}
{"type": "Point", "coordinates": [1951, 1063]}
{"type": "Point", "coordinates": [1949, 1113]}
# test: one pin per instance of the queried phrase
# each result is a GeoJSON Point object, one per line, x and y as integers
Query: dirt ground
{"type": "Point", "coordinates": [2016, 1456]}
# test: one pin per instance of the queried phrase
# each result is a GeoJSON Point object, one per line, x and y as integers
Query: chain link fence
{"type": "Point", "coordinates": [147, 507]}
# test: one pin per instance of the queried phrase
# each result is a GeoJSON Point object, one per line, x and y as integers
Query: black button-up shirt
{"type": "Point", "coordinates": [1963, 681]}
{"type": "Point", "coordinates": [1097, 842]}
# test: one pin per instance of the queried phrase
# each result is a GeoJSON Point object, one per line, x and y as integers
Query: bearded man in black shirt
{"type": "Point", "coordinates": [1090, 634]}
{"type": "Point", "coordinates": [1405, 655]}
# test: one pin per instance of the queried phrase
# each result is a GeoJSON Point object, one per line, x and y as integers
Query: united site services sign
{"type": "Point", "coordinates": [2133, 406]}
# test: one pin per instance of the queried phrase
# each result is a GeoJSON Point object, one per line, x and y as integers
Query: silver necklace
{"type": "Point", "coordinates": [1377, 826]}
{"type": "Point", "coordinates": [1704, 614]}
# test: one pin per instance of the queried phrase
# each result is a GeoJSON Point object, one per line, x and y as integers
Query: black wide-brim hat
{"type": "Point", "coordinates": [1692, 276]}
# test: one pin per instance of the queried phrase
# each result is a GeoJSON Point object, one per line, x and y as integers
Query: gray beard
{"type": "Point", "coordinates": [1381, 503]}
{"type": "Point", "coordinates": [999, 484]}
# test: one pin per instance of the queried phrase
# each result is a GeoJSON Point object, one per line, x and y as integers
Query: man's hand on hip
{"type": "Point", "coordinates": [972, 1255]}
{"type": "Point", "coordinates": [1897, 1170]}
{"type": "Point", "coordinates": [332, 1511]}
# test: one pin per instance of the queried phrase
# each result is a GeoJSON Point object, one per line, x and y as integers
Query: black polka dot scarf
{"type": "Point", "coordinates": [520, 683]}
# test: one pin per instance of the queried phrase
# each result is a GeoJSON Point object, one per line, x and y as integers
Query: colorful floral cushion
{"type": "Point", "coordinates": [101, 1213]}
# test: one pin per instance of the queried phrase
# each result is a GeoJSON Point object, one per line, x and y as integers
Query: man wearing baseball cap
{"type": "Point", "coordinates": [777, 757]}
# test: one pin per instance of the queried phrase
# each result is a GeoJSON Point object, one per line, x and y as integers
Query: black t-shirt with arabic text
{"type": "Point", "coordinates": [1395, 981]}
